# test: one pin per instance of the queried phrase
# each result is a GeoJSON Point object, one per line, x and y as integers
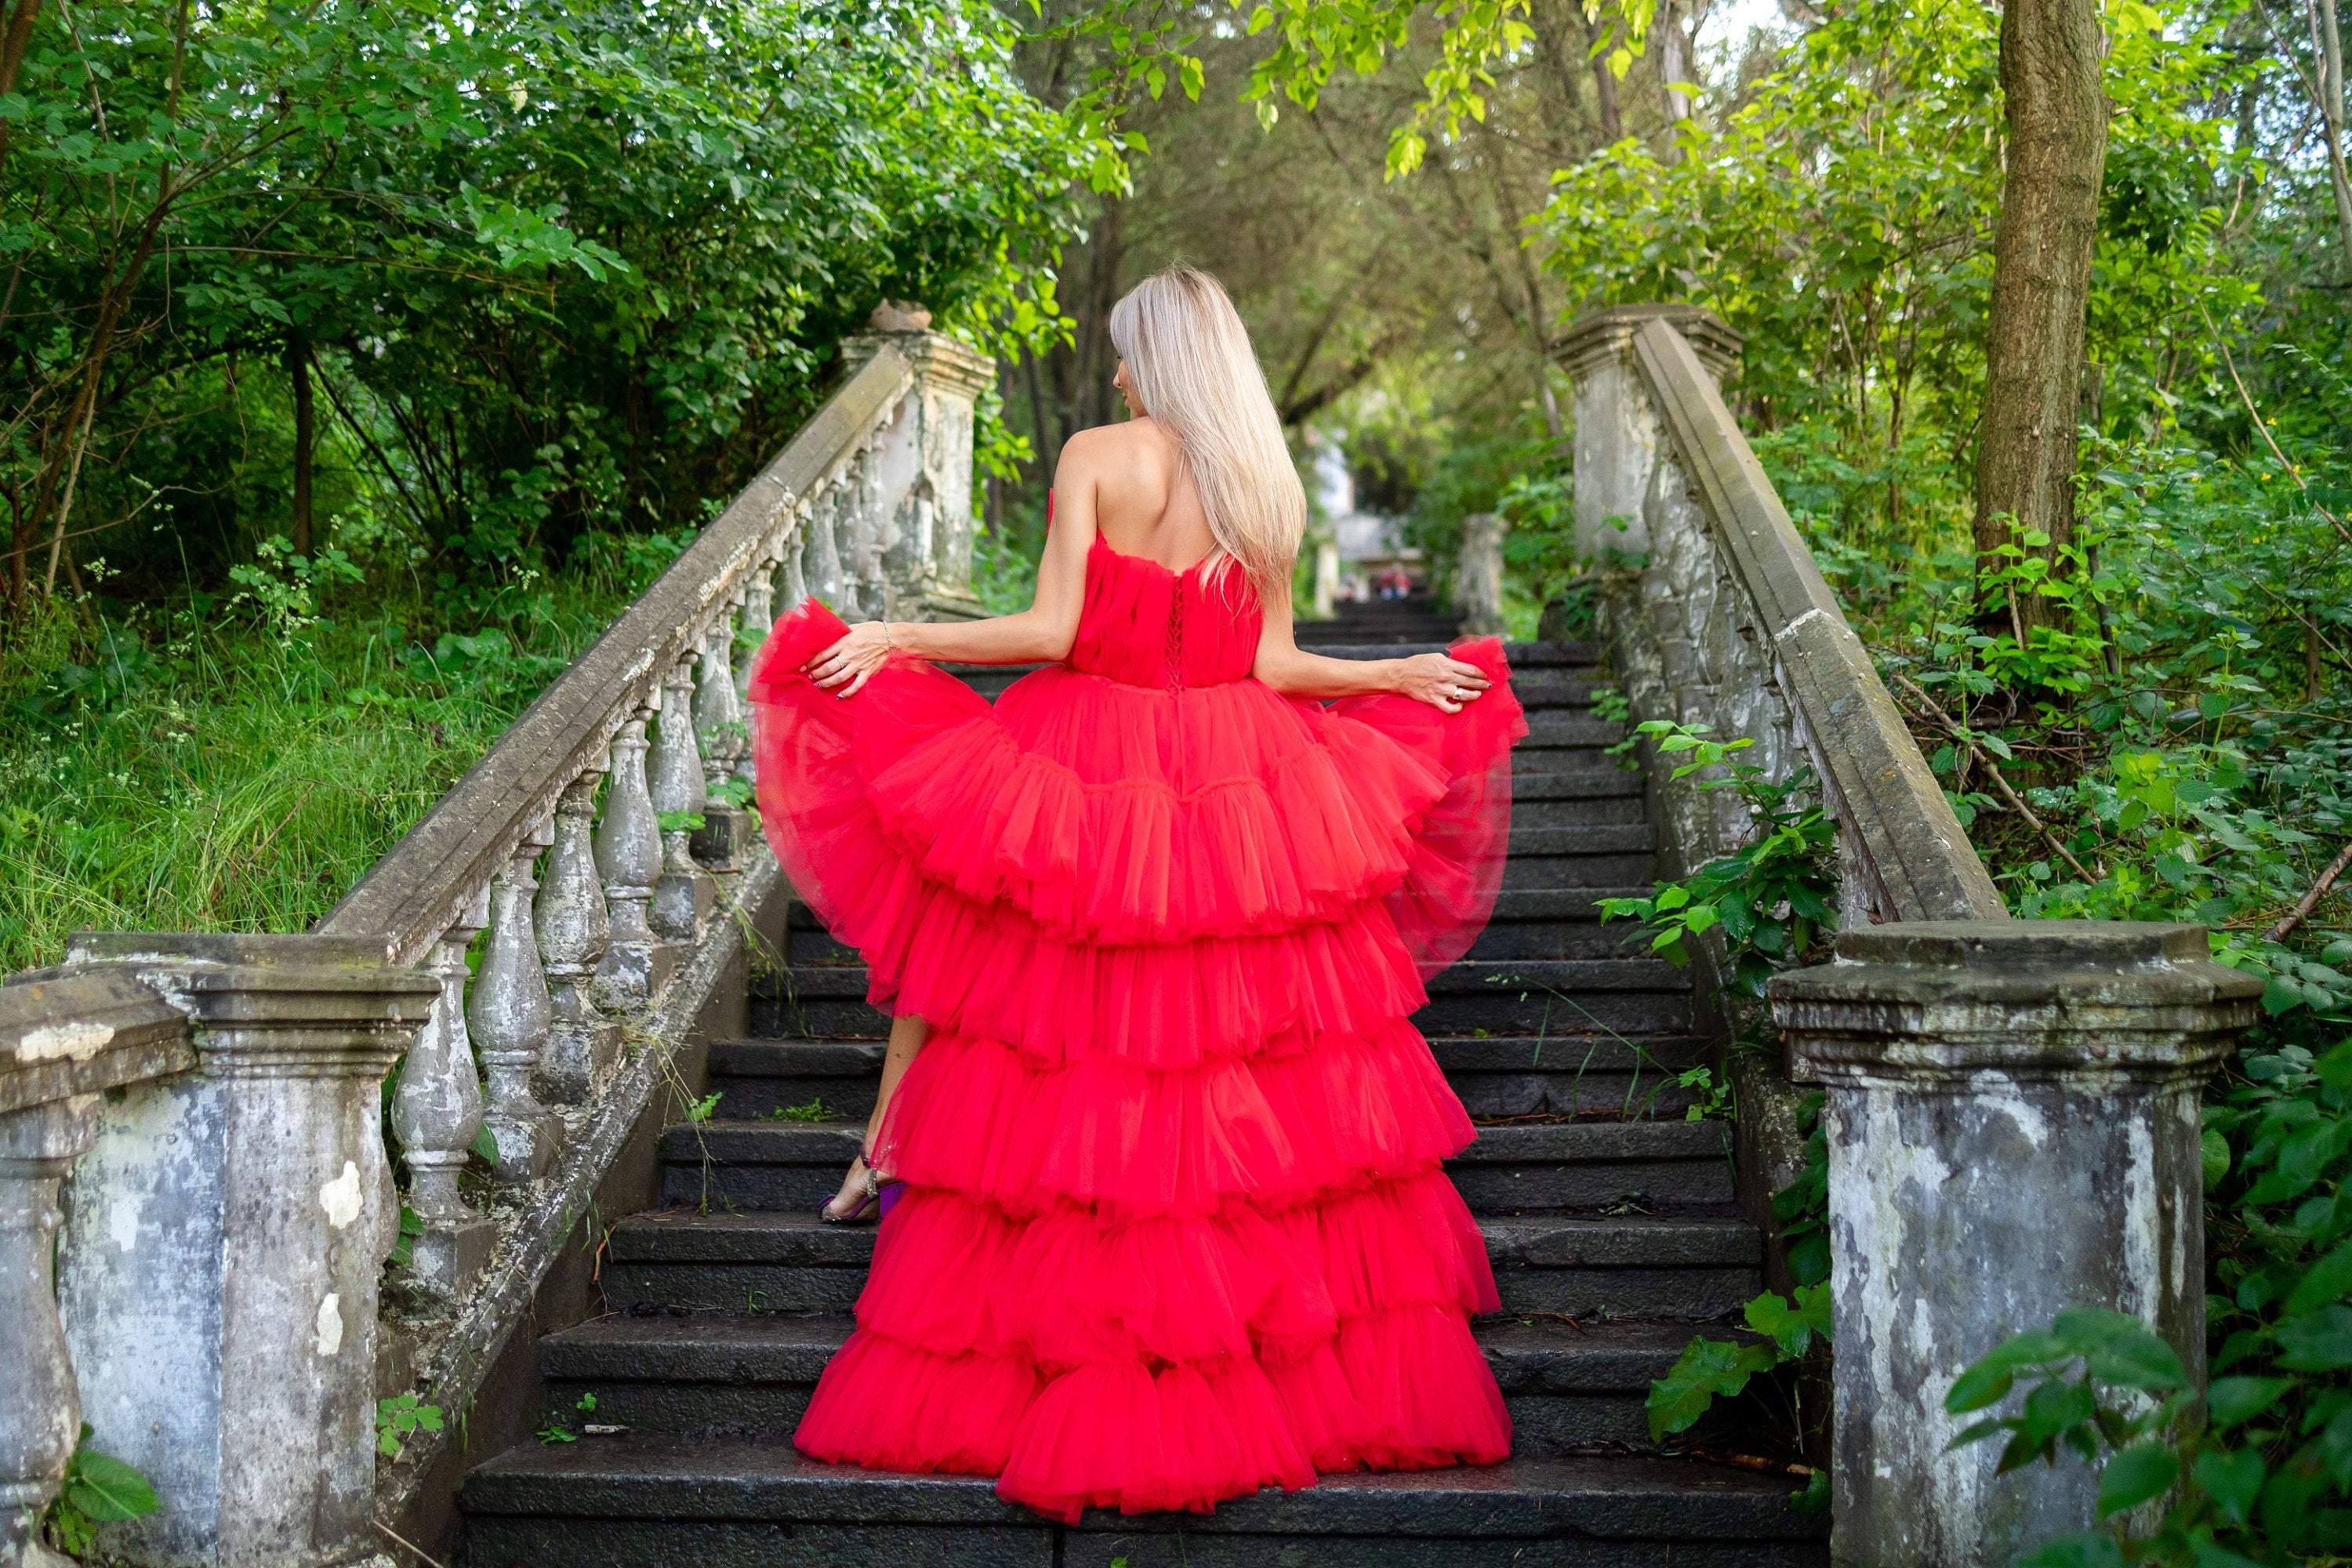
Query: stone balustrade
{"type": "Point", "coordinates": [597, 854]}
{"type": "Point", "coordinates": [2011, 1107]}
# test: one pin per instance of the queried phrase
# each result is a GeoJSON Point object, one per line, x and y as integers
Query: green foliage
{"type": "Point", "coordinates": [815, 1110]}
{"type": "Point", "coordinates": [401, 1417]}
{"type": "Point", "coordinates": [1786, 1327]}
{"type": "Point", "coordinates": [98, 1490]}
{"type": "Point", "coordinates": [1772, 898]}
{"type": "Point", "coordinates": [2264, 1465]}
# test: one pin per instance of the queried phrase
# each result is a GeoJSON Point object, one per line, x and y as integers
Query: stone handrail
{"type": "Point", "coordinates": [1727, 622]}
{"type": "Point", "coordinates": [247, 1145]}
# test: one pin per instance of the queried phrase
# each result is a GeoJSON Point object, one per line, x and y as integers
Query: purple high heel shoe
{"type": "Point", "coordinates": [879, 1196]}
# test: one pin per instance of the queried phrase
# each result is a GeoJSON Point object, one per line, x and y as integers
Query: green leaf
{"type": "Point", "coordinates": [2234, 1480]}
{"type": "Point", "coordinates": [2089, 1549]}
{"type": "Point", "coordinates": [2317, 1342]}
{"type": "Point", "coordinates": [108, 1491]}
{"type": "Point", "coordinates": [2137, 1475]}
{"type": "Point", "coordinates": [2214, 1151]}
{"type": "Point", "coordinates": [2329, 1280]}
{"type": "Point", "coordinates": [2230, 1401]}
{"type": "Point", "coordinates": [1985, 1384]}
{"type": "Point", "coordinates": [1706, 1370]}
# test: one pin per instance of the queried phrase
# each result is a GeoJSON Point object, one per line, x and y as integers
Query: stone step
{"type": "Point", "coordinates": [1569, 1387]}
{"type": "Point", "coordinates": [1576, 932]}
{"type": "Point", "coordinates": [1522, 655]}
{"type": "Point", "coordinates": [1542, 777]}
{"type": "Point", "coordinates": [1569, 729]}
{"type": "Point", "coordinates": [770, 1260]}
{"type": "Point", "coordinates": [1629, 996]}
{"type": "Point", "coordinates": [631, 1500]}
{"type": "Point", "coordinates": [1570, 1075]}
{"type": "Point", "coordinates": [1545, 1167]}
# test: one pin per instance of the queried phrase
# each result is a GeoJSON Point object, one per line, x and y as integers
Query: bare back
{"type": "Point", "coordinates": [1145, 504]}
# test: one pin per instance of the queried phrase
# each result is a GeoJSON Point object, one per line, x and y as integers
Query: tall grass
{"type": "Point", "coordinates": [207, 767]}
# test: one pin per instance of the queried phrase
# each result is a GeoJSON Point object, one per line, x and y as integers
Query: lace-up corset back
{"type": "Point", "coordinates": [1147, 625]}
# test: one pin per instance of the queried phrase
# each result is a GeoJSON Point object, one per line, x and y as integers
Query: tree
{"type": "Point", "coordinates": [2052, 52]}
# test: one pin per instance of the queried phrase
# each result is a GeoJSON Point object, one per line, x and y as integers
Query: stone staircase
{"type": "Point", "coordinates": [1611, 1222]}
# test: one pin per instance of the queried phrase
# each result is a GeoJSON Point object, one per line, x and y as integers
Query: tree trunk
{"type": "Point", "coordinates": [2327, 54]}
{"type": "Point", "coordinates": [298, 367]}
{"type": "Point", "coordinates": [2057, 119]}
{"type": "Point", "coordinates": [1605, 92]}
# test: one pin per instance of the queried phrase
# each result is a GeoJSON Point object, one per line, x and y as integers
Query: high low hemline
{"type": "Point", "coordinates": [1174, 1224]}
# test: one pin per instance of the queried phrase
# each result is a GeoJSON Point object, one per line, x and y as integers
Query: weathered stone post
{"type": "Point", "coordinates": [221, 1246]}
{"type": "Point", "coordinates": [724, 838]}
{"type": "Point", "coordinates": [1478, 587]}
{"type": "Point", "coordinates": [2013, 1124]}
{"type": "Point", "coordinates": [436, 1112]}
{"type": "Point", "coordinates": [1617, 428]}
{"type": "Point", "coordinates": [919, 466]}
{"type": "Point", "coordinates": [41, 1417]}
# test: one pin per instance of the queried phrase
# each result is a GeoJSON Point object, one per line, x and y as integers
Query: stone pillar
{"type": "Point", "coordinates": [723, 842]}
{"type": "Point", "coordinates": [40, 1419]}
{"type": "Point", "coordinates": [1617, 429]}
{"type": "Point", "coordinates": [436, 1112]}
{"type": "Point", "coordinates": [636, 963]}
{"type": "Point", "coordinates": [927, 522]}
{"type": "Point", "coordinates": [1478, 587]}
{"type": "Point", "coordinates": [509, 1014]}
{"type": "Point", "coordinates": [2013, 1124]}
{"type": "Point", "coordinates": [683, 896]}
{"type": "Point", "coordinates": [575, 931]}
{"type": "Point", "coordinates": [221, 1246]}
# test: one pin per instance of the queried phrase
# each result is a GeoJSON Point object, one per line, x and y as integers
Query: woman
{"type": "Point", "coordinates": [1171, 1224]}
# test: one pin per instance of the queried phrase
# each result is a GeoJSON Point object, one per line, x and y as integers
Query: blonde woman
{"type": "Point", "coordinates": [1170, 1224]}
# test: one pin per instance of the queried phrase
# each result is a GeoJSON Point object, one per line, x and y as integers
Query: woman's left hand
{"type": "Point", "coordinates": [852, 661]}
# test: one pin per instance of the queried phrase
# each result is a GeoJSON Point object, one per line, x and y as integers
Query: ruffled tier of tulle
{"type": "Point", "coordinates": [971, 969]}
{"type": "Point", "coordinates": [1110, 813]}
{"type": "Point", "coordinates": [1310, 1119]}
{"type": "Point", "coordinates": [1404, 1389]}
{"type": "Point", "coordinates": [1167, 1363]}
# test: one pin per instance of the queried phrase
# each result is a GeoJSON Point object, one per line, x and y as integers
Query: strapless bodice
{"type": "Point", "coordinates": [1147, 625]}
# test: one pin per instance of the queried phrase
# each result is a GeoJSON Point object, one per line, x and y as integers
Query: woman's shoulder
{"type": "Point", "coordinates": [1130, 440]}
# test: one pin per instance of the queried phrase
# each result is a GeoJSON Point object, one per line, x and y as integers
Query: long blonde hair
{"type": "Point", "coordinates": [1190, 358]}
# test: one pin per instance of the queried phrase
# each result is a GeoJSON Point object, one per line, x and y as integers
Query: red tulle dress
{"type": "Point", "coordinates": [1173, 1226]}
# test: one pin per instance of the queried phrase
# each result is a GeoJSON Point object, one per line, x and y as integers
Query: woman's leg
{"type": "Point", "coordinates": [906, 1036]}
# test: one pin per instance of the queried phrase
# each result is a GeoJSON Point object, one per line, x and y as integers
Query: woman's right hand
{"type": "Point", "coordinates": [1440, 681]}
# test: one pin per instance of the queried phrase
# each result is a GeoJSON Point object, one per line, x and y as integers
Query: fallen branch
{"type": "Point", "coordinates": [2310, 900]}
{"type": "Point", "coordinates": [2015, 802]}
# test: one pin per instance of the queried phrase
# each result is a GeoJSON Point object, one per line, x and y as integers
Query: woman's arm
{"type": "Point", "coordinates": [1431, 677]}
{"type": "Point", "coordinates": [1043, 631]}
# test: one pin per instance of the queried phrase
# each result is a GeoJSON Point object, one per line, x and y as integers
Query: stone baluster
{"type": "Point", "coordinates": [40, 1418]}
{"type": "Point", "coordinates": [796, 584]}
{"type": "Point", "coordinates": [721, 842]}
{"type": "Point", "coordinates": [436, 1113]}
{"type": "Point", "coordinates": [683, 895]}
{"type": "Point", "coordinates": [510, 1013]}
{"type": "Point", "coordinates": [583, 1045]}
{"type": "Point", "coordinates": [861, 535]}
{"type": "Point", "coordinates": [2012, 1127]}
{"type": "Point", "coordinates": [759, 617]}
{"type": "Point", "coordinates": [638, 964]}
{"type": "Point", "coordinates": [840, 505]}
{"type": "Point", "coordinates": [824, 575]}
{"type": "Point", "coordinates": [1478, 585]}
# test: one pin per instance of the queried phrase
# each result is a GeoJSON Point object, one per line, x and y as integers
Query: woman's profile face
{"type": "Point", "coordinates": [1127, 391]}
